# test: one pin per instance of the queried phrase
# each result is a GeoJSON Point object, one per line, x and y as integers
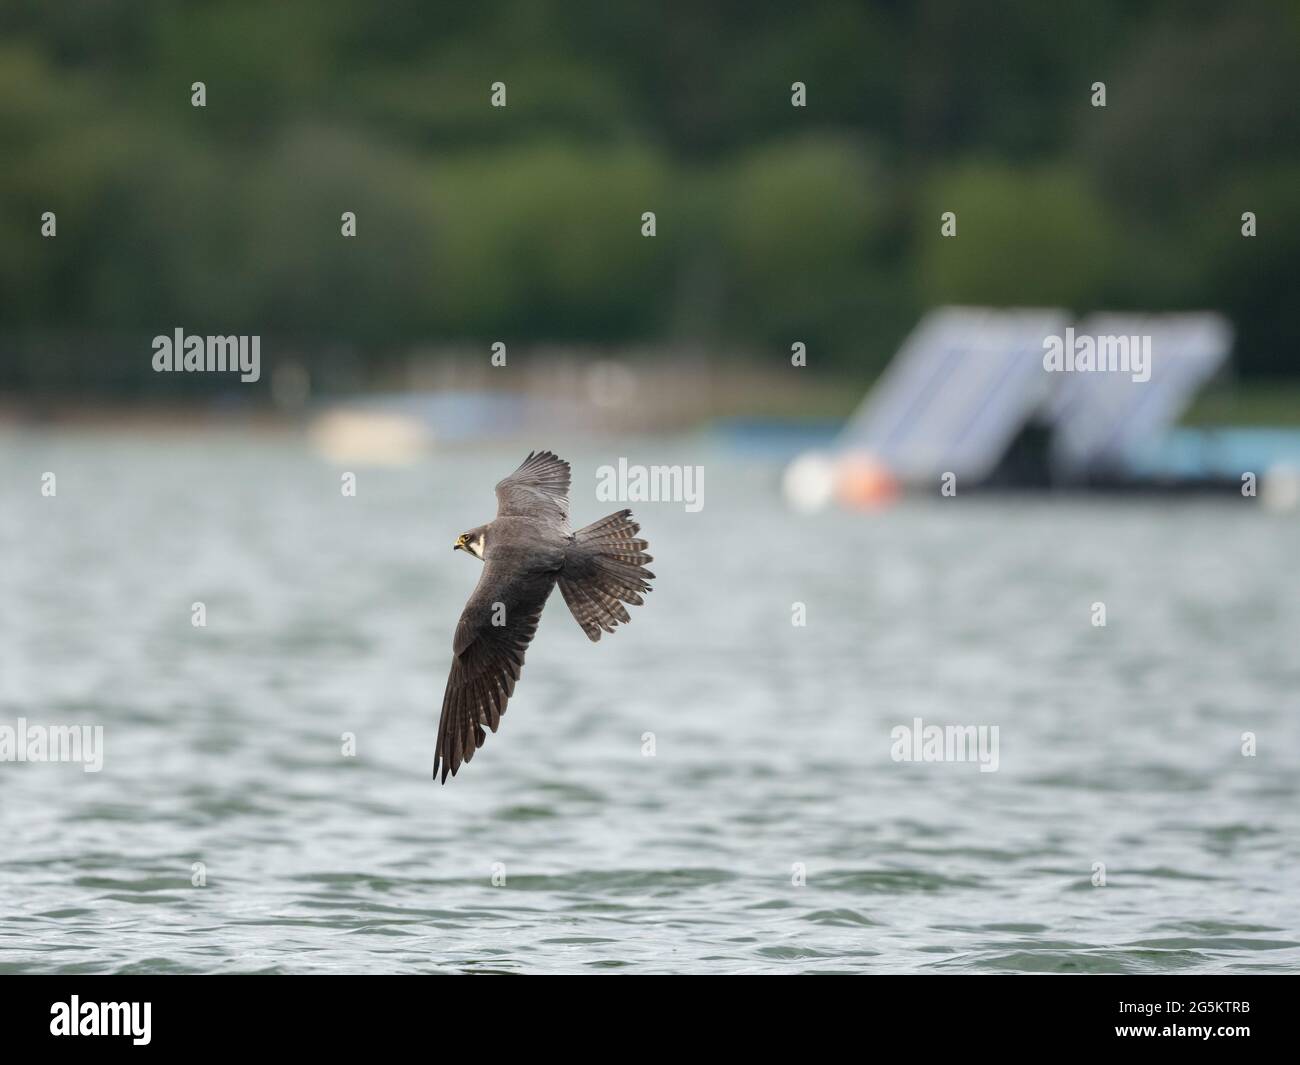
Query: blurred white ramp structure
{"type": "Point", "coordinates": [957, 393]}
{"type": "Point", "coordinates": [1100, 420]}
{"type": "Point", "coordinates": [970, 394]}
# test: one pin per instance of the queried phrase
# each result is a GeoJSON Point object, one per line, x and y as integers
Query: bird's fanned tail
{"type": "Point", "coordinates": [603, 569]}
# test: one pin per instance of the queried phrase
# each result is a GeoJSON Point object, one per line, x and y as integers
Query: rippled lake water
{"type": "Point", "coordinates": [329, 615]}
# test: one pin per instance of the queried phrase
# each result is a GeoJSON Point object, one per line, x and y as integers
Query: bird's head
{"type": "Point", "coordinates": [472, 542]}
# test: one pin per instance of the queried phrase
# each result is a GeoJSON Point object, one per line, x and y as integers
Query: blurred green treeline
{"type": "Point", "coordinates": [775, 223]}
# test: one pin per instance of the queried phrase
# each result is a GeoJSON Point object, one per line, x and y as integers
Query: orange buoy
{"type": "Point", "coordinates": [864, 483]}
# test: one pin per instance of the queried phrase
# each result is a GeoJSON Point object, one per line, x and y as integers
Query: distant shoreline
{"type": "Point", "coordinates": [667, 403]}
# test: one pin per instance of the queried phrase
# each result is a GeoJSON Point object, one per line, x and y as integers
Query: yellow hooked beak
{"type": "Point", "coordinates": [459, 545]}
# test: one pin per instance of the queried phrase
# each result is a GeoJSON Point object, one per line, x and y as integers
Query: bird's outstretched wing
{"type": "Point", "coordinates": [493, 633]}
{"type": "Point", "coordinates": [539, 489]}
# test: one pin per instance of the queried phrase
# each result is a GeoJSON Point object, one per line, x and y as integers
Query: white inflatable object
{"type": "Point", "coordinates": [809, 482]}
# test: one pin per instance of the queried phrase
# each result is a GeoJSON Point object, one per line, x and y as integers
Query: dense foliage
{"type": "Point", "coordinates": [523, 223]}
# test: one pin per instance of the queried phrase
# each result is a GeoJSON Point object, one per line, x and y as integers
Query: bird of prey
{"type": "Point", "coordinates": [526, 551]}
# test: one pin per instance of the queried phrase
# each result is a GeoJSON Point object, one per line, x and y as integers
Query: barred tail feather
{"type": "Point", "coordinates": [605, 568]}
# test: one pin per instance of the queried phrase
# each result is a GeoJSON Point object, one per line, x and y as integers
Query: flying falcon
{"type": "Point", "coordinates": [526, 551]}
